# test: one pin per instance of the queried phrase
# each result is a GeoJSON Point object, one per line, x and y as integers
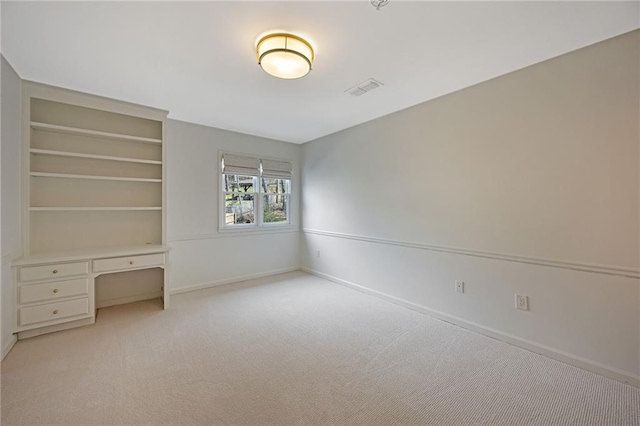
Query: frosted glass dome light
{"type": "Point", "coordinates": [285, 55]}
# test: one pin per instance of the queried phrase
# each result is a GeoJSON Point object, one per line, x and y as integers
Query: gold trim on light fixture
{"type": "Point", "coordinates": [285, 55]}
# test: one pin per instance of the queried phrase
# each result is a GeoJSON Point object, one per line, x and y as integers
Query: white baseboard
{"type": "Point", "coordinates": [623, 271]}
{"type": "Point", "coordinates": [128, 299]}
{"type": "Point", "coordinates": [56, 327]}
{"type": "Point", "coordinates": [232, 280]}
{"type": "Point", "coordinates": [234, 233]}
{"type": "Point", "coordinates": [558, 355]}
{"type": "Point", "coordinates": [9, 345]}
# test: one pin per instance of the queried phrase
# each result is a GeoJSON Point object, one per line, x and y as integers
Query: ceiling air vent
{"type": "Point", "coordinates": [364, 87]}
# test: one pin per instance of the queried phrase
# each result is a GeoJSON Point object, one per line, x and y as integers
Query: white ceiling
{"type": "Point", "coordinates": [197, 59]}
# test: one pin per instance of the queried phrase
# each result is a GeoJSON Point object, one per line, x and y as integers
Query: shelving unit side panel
{"type": "Point", "coordinates": [164, 195]}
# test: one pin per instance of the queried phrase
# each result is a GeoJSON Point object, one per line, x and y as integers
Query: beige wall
{"type": "Point", "coordinates": [541, 163]}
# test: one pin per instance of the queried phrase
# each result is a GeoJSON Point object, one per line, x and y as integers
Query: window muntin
{"type": "Point", "coordinates": [263, 199]}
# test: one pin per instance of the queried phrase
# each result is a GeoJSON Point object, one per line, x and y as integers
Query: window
{"type": "Point", "coordinates": [239, 200]}
{"type": "Point", "coordinates": [256, 192]}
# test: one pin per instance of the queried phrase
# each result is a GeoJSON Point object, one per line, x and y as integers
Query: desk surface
{"type": "Point", "coordinates": [85, 254]}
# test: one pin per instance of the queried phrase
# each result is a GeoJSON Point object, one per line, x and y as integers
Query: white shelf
{"type": "Point", "coordinates": [91, 209]}
{"type": "Point", "coordinates": [95, 133]}
{"type": "Point", "coordinates": [91, 156]}
{"type": "Point", "coordinates": [90, 177]}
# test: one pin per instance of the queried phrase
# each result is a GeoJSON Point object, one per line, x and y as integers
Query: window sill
{"type": "Point", "coordinates": [264, 229]}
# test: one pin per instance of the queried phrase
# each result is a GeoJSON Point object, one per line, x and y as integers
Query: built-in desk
{"type": "Point", "coordinates": [57, 291]}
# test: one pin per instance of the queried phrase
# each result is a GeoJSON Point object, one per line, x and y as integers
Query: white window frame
{"type": "Point", "coordinates": [259, 195]}
{"type": "Point", "coordinates": [261, 211]}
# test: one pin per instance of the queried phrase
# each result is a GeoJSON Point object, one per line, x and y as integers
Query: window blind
{"type": "Point", "coordinates": [240, 165]}
{"type": "Point", "coordinates": [276, 169]}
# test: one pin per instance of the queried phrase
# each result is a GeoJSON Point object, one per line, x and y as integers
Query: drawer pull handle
{"type": "Point", "coordinates": [55, 271]}
{"type": "Point", "coordinates": [55, 312]}
{"type": "Point", "coordinates": [131, 262]}
{"type": "Point", "coordinates": [55, 290]}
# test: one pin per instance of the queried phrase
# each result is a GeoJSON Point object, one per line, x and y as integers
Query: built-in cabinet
{"type": "Point", "coordinates": [93, 202]}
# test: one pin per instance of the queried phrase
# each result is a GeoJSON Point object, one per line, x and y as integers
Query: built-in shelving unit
{"type": "Point", "coordinates": [93, 208]}
{"type": "Point", "coordinates": [95, 178]}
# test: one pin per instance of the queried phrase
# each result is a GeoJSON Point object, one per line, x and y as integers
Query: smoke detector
{"type": "Point", "coordinates": [379, 3]}
{"type": "Point", "coordinates": [364, 87]}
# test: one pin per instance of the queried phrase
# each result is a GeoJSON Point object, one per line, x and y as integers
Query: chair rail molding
{"type": "Point", "coordinates": [622, 271]}
{"type": "Point", "coordinates": [232, 234]}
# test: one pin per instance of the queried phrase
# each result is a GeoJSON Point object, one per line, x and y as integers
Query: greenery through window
{"type": "Point", "coordinates": [255, 200]}
{"type": "Point", "coordinates": [275, 200]}
{"type": "Point", "coordinates": [239, 200]}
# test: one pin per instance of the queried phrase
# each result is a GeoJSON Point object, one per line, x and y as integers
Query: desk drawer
{"type": "Point", "coordinates": [32, 273]}
{"type": "Point", "coordinates": [54, 311]}
{"type": "Point", "coordinates": [48, 291]}
{"type": "Point", "coordinates": [129, 262]}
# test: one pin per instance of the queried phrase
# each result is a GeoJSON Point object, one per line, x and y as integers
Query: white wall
{"type": "Point", "coordinates": [10, 180]}
{"type": "Point", "coordinates": [201, 255]}
{"type": "Point", "coordinates": [527, 183]}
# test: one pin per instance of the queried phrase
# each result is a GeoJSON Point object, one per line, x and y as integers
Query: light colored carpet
{"type": "Point", "coordinates": [294, 349]}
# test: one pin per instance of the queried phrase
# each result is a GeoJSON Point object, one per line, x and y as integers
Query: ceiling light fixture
{"type": "Point", "coordinates": [379, 3]}
{"type": "Point", "coordinates": [285, 55]}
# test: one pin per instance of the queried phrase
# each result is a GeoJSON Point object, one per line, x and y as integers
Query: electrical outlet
{"type": "Point", "coordinates": [522, 302]}
{"type": "Point", "coordinates": [460, 286]}
{"type": "Point", "coordinates": [318, 254]}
